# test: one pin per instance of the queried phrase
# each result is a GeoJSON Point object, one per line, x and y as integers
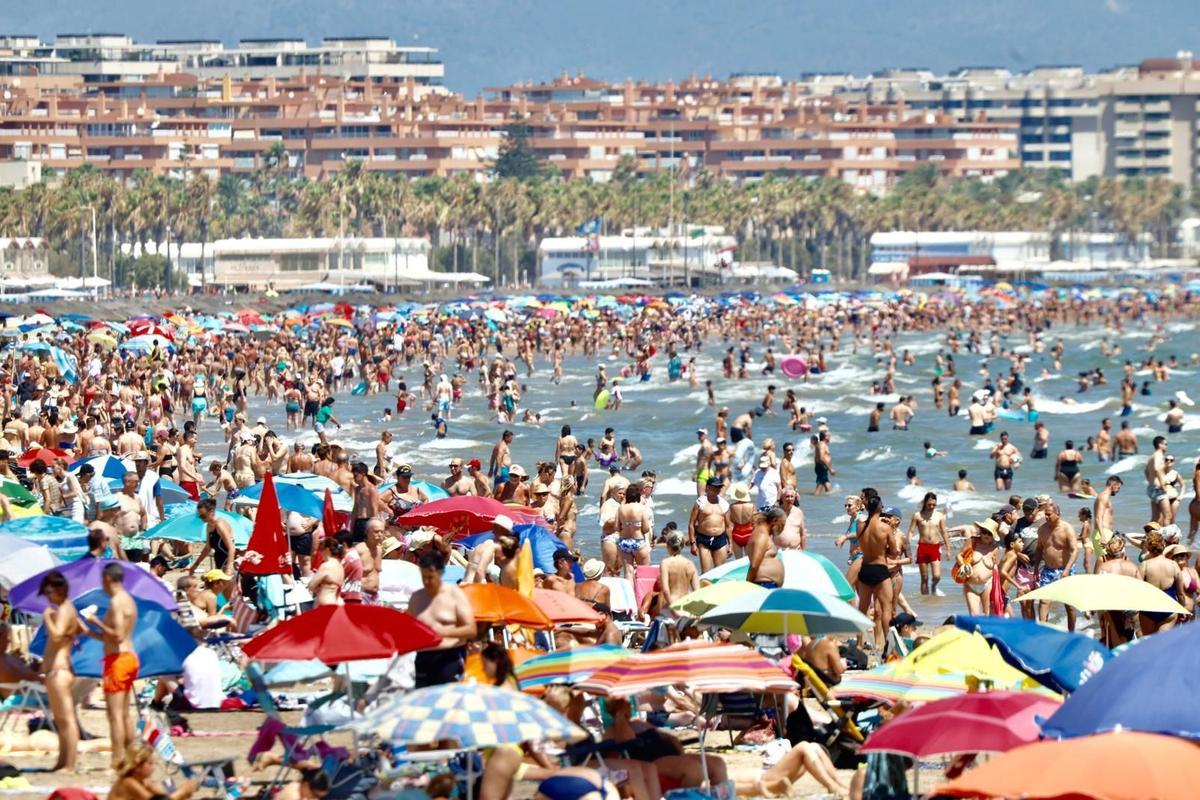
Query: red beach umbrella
{"type": "Point", "coordinates": [460, 516]}
{"type": "Point", "coordinates": [46, 455]}
{"type": "Point", "coordinates": [267, 553]}
{"type": "Point", "coordinates": [336, 634]}
{"type": "Point", "coordinates": [979, 722]}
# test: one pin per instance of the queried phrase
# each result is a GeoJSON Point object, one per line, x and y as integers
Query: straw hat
{"type": "Point", "coordinates": [593, 568]}
{"type": "Point", "coordinates": [389, 545]}
{"type": "Point", "coordinates": [990, 526]}
{"type": "Point", "coordinates": [739, 493]}
{"type": "Point", "coordinates": [135, 755]}
{"type": "Point", "coordinates": [1177, 550]}
{"type": "Point", "coordinates": [540, 488]}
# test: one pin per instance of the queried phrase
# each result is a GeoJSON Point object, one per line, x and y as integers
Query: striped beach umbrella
{"type": "Point", "coordinates": [801, 570]}
{"type": "Point", "coordinates": [788, 611]}
{"type": "Point", "coordinates": [701, 666]}
{"type": "Point", "coordinates": [709, 597]}
{"type": "Point", "coordinates": [567, 666]}
{"type": "Point", "coordinates": [471, 715]}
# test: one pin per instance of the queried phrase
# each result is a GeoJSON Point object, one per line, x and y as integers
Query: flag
{"type": "Point", "coordinates": [593, 243]}
{"type": "Point", "coordinates": [696, 233]}
{"type": "Point", "coordinates": [332, 520]}
{"type": "Point", "coordinates": [244, 614]}
{"type": "Point", "coordinates": [525, 569]}
{"type": "Point", "coordinates": [268, 552]}
{"type": "Point", "coordinates": [590, 226]}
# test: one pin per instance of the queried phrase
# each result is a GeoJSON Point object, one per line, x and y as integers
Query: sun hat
{"type": "Point", "coordinates": [991, 526]}
{"type": "Point", "coordinates": [739, 493]}
{"type": "Point", "coordinates": [540, 488]}
{"type": "Point", "coordinates": [389, 545]}
{"type": "Point", "coordinates": [593, 568]}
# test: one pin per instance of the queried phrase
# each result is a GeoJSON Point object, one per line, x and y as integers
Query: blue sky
{"type": "Point", "coordinates": [490, 42]}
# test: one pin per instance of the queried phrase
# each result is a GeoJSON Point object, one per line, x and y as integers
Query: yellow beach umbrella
{"type": "Point", "coordinates": [102, 338]}
{"type": "Point", "coordinates": [339, 321]}
{"type": "Point", "coordinates": [709, 597]}
{"type": "Point", "coordinates": [948, 664]}
{"type": "Point", "coordinates": [1106, 592]}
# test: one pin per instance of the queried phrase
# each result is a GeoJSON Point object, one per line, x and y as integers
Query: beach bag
{"type": "Point", "coordinates": [962, 571]}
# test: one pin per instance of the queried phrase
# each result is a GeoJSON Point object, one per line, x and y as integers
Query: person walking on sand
{"type": "Point", "coordinates": [120, 661]}
{"type": "Point", "coordinates": [61, 621]}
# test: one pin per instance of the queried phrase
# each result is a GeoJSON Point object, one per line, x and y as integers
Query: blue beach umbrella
{"type": "Point", "coordinates": [542, 543]}
{"type": "Point", "coordinates": [57, 533]}
{"type": "Point", "coordinates": [190, 528]}
{"type": "Point", "coordinates": [1059, 660]}
{"type": "Point", "coordinates": [291, 498]}
{"type": "Point", "coordinates": [1150, 688]}
{"type": "Point", "coordinates": [161, 643]}
{"type": "Point", "coordinates": [106, 466]}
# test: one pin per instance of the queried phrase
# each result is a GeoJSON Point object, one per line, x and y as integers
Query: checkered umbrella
{"type": "Point", "coordinates": [472, 715]}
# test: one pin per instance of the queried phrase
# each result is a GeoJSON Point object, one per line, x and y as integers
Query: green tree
{"type": "Point", "coordinates": [517, 158]}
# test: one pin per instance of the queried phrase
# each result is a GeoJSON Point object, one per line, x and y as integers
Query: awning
{"type": "Point", "coordinates": [429, 276]}
{"type": "Point", "coordinates": [888, 268]}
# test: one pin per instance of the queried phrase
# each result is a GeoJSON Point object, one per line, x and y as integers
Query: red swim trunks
{"type": "Point", "coordinates": [120, 671]}
{"type": "Point", "coordinates": [192, 488]}
{"type": "Point", "coordinates": [929, 553]}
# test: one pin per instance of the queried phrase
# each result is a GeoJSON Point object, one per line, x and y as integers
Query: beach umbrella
{"type": "Point", "coordinates": [190, 528]}
{"type": "Point", "coordinates": [473, 716]}
{"type": "Point", "coordinates": [13, 490]}
{"type": "Point", "coordinates": [102, 338]}
{"type": "Point", "coordinates": [1059, 660]}
{"type": "Point", "coordinates": [1106, 592]}
{"type": "Point", "coordinates": [160, 642]}
{"type": "Point", "coordinates": [565, 609]}
{"type": "Point", "coordinates": [709, 597]}
{"type": "Point", "coordinates": [335, 634]}
{"type": "Point", "coordinates": [788, 611]}
{"type": "Point", "coordinates": [46, 455]}
{"type": "Point", "coordinates": [701, 666]}
{"type": "Point", "coordinates": [21, 558]}
{"type": "Point", "coordinates": [458, 516]}
{"type": "Point", "coordinates": [106, 466]}
{"type": "Point", "coordinates": [315, 485]}
{"type": "Point", "coordinates": [978, 722]}
{"type": "Point", "coordinates": [291, 497]}
{"type": "Point", "coordinates": [147, 344]}
{"type": "Point", "coordinates": [566, 666]}
{"type": "Point", "coordinates": [57, 533]}
{"type": "Point", "coordinates": [83, 576]}
{"type": "Point", "coordinates": [268, 551]}
{"type": "Point", "coordinates": [802, 569]}
{"type": "Point", "coordinates": [494, 604]}
{"type": "Point", "coordinates": [941, 667]}
{"type": "Point", "coordinates": [543, 543]}
{"type": "Point", "coordinates": [1115, 766]}
{"type": "Point", "coordinates": [1151, 686]}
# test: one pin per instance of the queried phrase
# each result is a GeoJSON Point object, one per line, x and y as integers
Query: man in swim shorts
{"type": "Point", "coordinates": [709, 525]}
{"type": "Point", "coordinates": [120, 661]}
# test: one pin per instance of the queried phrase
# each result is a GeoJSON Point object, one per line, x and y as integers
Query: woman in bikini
{"type": "Point", "coordinates": [62, 628]}
{"type": "Point", "coordinates": [633, 528]}
{"type": "Point", "coordinates": [741, 516]}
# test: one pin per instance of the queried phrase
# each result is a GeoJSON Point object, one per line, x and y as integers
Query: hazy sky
{"type": "Point", "coordinates": [491, 42]}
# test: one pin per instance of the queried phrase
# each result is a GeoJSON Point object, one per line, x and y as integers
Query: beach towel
{"type": "Point", "coordinates": [644, 578]}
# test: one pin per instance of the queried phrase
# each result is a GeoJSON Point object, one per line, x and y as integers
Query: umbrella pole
{"type": "Point", "coordinates": [707, 709]}
{"type": "Point", "coordinates": [350, 701]}
{"type": "Point", "coordinates": [916, 777]}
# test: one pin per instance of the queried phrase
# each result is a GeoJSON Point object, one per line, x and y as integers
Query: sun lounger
{"type": "Point", "coordinates": [211, 772]}
{"type": "Point", "coordinates": [24, 697]}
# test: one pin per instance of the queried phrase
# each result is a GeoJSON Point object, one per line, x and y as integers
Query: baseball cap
{"type": "Point", "coordinates": [518, 470]}
{"type": "Point", "coordinates": [475, 463]}
{"type": "Point", "coordinates": [1007, 509]}
{"type": "Point", "coordinates": [1152, 526]}
{"type": "Point", "coordinates": [904, 618]}
{"type": "Point", "coordinates": [261, 421]}
{"type": "Point", "coordinates": [1029, 504]}
{"type": "Point", "coordinates": [715, 480]}
{"type": "Point", "coordinates": [404, 471]}
{"type": "Point", "coordinates": [216, 575]}
{"type": "Point", "coordinates": [108, 503]}
{"type": "Point", "coordinates": [892, 511]}
{"type": "Point", "coordinates": [564, 555]}
{"type": "Point", "coordinates": [503, 521]}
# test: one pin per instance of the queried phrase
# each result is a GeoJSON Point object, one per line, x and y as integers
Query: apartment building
{"type": "Point", "coordinates": [108, 57]}
{"type": "Point", "coordinates": [179, 123]}
{"type": "Point", "coordinates": [1128, 121]}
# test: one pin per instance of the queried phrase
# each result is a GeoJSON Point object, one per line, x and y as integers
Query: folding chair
{"type": "Point", "coordinates": [24, 697]}
{"type": "Point", "coordinates": [295, 739]}
{"type": "Point", "coordinates": [212, 772]}
{"type": "Point", "coordinates": [736, 712]}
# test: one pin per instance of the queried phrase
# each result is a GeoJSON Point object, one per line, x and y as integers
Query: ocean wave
{"type": "Point", "coordinates": [875, 454]}
{"type": "Point", "coordinates": [1126, 464]}
{"type": "Point", "coordinates": [675, 486]}
{"type": "Point", "coordinates": [1047, 406]}
{"type": "Point", "coordinates": [985, 444]}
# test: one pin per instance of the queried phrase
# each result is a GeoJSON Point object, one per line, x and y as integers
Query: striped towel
{"type": "Point", "coordinates": [244, 614]}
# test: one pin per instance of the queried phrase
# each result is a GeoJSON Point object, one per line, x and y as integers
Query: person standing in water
{"type": "Point", "coordinates": [930, 525]}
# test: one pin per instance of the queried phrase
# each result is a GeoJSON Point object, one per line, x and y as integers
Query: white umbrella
{"type": "Point", "coordinates": [23, 559]}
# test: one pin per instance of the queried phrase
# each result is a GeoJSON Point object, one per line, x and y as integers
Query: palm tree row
{"type": "Point", "coordinates": [798, 223]}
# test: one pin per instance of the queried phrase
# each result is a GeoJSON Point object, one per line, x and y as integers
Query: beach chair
{"type": "Point", "coordinates": [296, 739]}
{"type": "Point", "coordinates": [24, 697]}
{"type": "Point", "coordinates": [214, 773]}
{"type": "Point", "coordinates": [895, 648]}
{"type": "Point", "coordinates": [843, 717]}
{"type": "Point", "coordinates": [736, 712]}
